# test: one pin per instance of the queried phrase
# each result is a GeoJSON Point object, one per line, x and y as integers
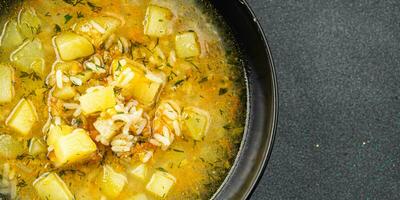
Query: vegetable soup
{"type": "Point", "coordinates": [124, 99]}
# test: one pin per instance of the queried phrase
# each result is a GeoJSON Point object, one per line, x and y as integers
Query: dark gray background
{"type": "Point", "coordinates": [339, 117]}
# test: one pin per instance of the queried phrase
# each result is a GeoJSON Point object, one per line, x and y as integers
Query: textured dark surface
{"type": "Point", "coordinates": [339, 119]}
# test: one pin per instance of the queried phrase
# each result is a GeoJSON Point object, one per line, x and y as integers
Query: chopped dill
{"type": "Point", "coordinates": [178, 150]}
{"type": "Point", "coordinates": [178, 83]}
{"type": "Point", "coordinates": [57, 28]}
{"type": "Point", "coordinates": [161, 169]}
{"type": "Point", "coordinates": [73, 2]}
{"type": "Point", "coordinates": [204, 79]}
{"type": "Point", "coordinates": [222, 91]}
{"type": "Point", "coordinates": [93, 7]}
{"type": "Point", "coordinates": [21, 183]}
{"type": "Point", "coordinates": [79, 15]}
{"type": "Point", "coordinates": [32, 76]}
{"type": "Point", "coordinates": [67, 18]}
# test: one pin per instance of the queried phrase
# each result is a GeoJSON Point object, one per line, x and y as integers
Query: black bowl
{"type": "Point", "coordinates": [262, 100]}
{"type": "Point", "coordinates": [262, 97]}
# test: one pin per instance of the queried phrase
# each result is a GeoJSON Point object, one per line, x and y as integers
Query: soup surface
{"type": "Point", "coordinates": [124, 99]}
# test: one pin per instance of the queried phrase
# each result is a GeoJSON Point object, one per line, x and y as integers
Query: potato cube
{"type": "Point", "coordinates": [50, 186]}
{"type": "Point", "coordinates": [30, 57]}
{"type": "Point", "coordinates": [6, 84]}
{"type": "Point", "coordinates": [29, 23]}
{"type": "Point", "coordinates": [195, 122]}
{"type": "Point", "coordinates": [140, 196]}
{"type": "Point", "coordinates": [111, 183]}
{"type": "Point", "coordinates": [140, 171]}
{"type": "Point", "coordinates": [97, 29]}
{"type": "Point", "coordinates": [55, 132]}
{"type": "Point", "coordinates": [143, 90]}
{"type": "Point", "coordinates": [97, 100]}
{"type": "Point", "coordinates": [186, 45]}
{"type": "Point", "coordinates": [23, 117]}
{"type": "Point", "coordinates": [71, 46]}
{"type": "Point", "coordinates": [157, 21]}
{"type": "Point", "coordinates": [145, 86]}
{"type": "Point", "coordinates": [160, 183]}
{"type": "Point", "coordinates": [36, 147]}
{"type": "Point", "coordinates": [12, 38]}
{"type": "Point", "coordinates": [73, 147]}
{"type": "Point", "coordinates": [10, 147]}
{"type": "Point", "coordinates": [64, 93]}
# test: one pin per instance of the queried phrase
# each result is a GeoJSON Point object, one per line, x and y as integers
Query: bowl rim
{"type": "Point", "coordinates": [260, 166]}
{"type": "Point", "coordinates": [275, 96]}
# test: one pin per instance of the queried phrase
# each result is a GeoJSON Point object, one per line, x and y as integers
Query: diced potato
{"type": "Point", "coordinates": [140, 171]}
{"type": "Point", "coordinates": [36, 147]}
{"type": "Point", "coordinates": [71, 46]}
{"type": "Point", "coordinates": [10, 147]}
{"type": "Point", "coordinates": [97, 29]}
{"type": "Point", "coordinates": [98, 100]}
{"type": "Point", "coordinates": [64, 93]}
{"type": "Point", "coordinates": [29, 23]}
{"type": "Point", "coordinates": [144, 90]}
{"type": "Point", "coordinates": [73, 147]}
{"type": "Point", "coordinates": [11, 38]}
{"type": "Point", "coordinates": [111, 183]}
{"type": "Point", "coordinates": [23, 117]}
{"type": "Point", "coordinates": [55, 132]}
{"type": "Point", "coordinates": [157, 21]}
{"type": "Point", "coordinates": [140, 196]}
{"type": "Point", "coordinates": [186, 45]}
{"type": "Point", "coordinates": [50, 186]}
{"type": "Point", "coordinates": [195, 122]}
{"type": "Point", "coordinates": [6, 83]}
{"type": "Point", "coordinates": [30, 57]}
{"type": "Point", "coordinates": [145, 86]}
{"type": "Point", "coordinates": [65, 129]}
{"type": "Point", "coordinates": [160, 183]}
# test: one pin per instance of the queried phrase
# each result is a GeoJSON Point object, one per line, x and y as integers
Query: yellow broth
{"type": "Point", "coordinates": [213, 81]}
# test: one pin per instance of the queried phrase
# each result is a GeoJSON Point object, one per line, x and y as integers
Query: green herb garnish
{"type": "Point", "coordinates": [191, 63]}
{"type": "Point", "coordinates": [21, 183]}
{"type": "Point", "coordinates": [93, 7]}
{"type": "Point", "coordinates": [72, 2]}
{"type": "Point", "coordinates": [178, 83]}
{"type": "Point", "coordinates": [32, 76]}
{"type": "Point", "coordinates": [227, 126]}
{"type": "Point", "coordinates": [161, 169]}
{"type": "Point", "coordinates": [71, 171]}
{"type": "Point", "coordinates": [67, 17]}
{"type": "Point", "coordinates": [117, 91]}
{"type": "Point", "coordinates": [79, 15]}
{"type": "Point", "coordinates": [178, 150]}
{"type": "Point", "coordinates": [204, 79]}
{"type": "Point", "coordinates": [77, 122]}
{"type": "Point", "coordinates": [119, 66]}
{"type": "Point", "coordinates": [57, 28]}
{"type": "Point", "coordinates": [222, 91]}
